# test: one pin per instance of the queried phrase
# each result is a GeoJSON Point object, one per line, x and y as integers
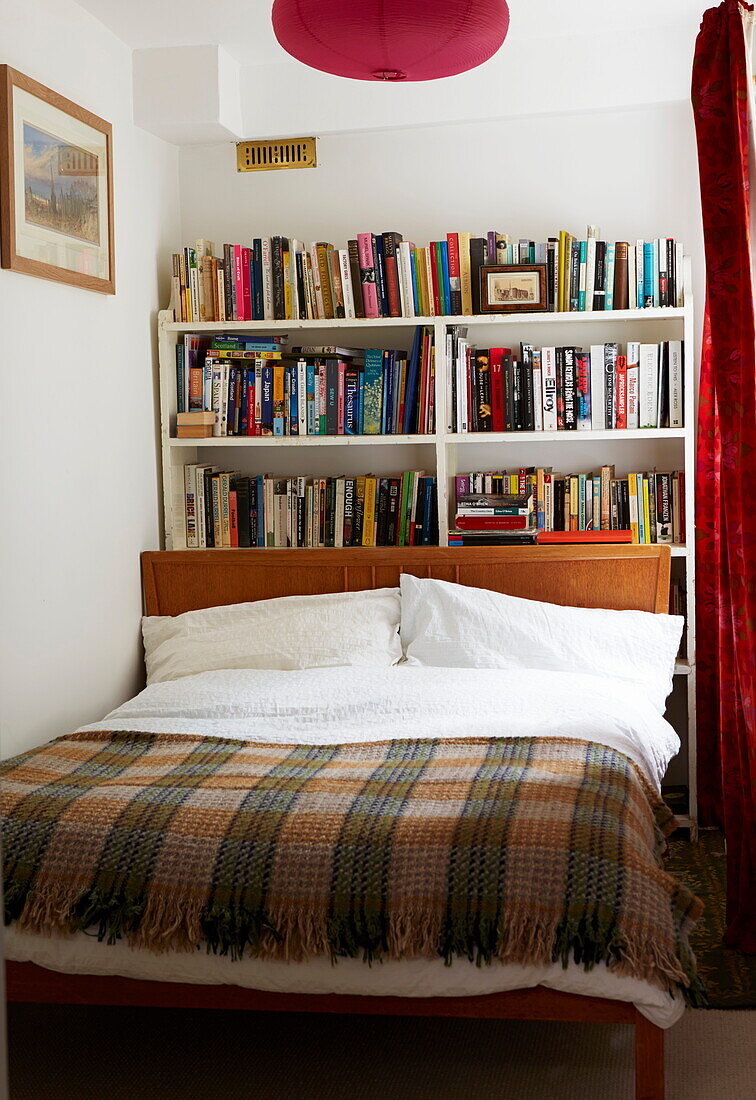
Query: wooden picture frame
{"type": "Point", "coordinates": [498, 281]}
{"type": "Point", "coordinates": [61, 227]}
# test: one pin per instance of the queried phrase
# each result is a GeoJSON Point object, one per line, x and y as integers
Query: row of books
{"type": "Point", "coordinates": [564, 388]}
{"type": "Point", "coordinates": [225, 509]}
{"type": "Point", "coordinates": [256, 388]}
{"type": "Point", "coordinates": [382, 275]}
{"type": "Point", "coordinates": [650, 505]}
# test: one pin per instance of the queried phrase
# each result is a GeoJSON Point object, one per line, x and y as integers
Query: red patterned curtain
{"type": "Point", "coordinates": [726, 475]}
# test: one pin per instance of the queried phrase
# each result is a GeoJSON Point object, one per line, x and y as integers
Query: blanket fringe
{"type": "Point", "coordinates": [172, 922]}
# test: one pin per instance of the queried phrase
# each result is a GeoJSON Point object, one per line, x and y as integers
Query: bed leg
{"type": "Point", "coordinates": [649, 1060]}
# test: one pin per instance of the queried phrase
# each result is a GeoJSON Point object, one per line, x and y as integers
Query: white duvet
{"type": "Point", "coordinates": [336, 705]}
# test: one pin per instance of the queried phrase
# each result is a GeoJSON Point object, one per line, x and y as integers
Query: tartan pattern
{"type": "Point", "coordinates": [518, 849]}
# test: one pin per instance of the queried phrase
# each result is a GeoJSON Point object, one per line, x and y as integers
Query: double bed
{"type": "Point", "coordinates": [363, 720]}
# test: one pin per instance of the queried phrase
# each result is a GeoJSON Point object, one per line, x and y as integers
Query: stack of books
{"type": "Point", "coordinates": [609, 386]}
{"type": "Point", "coordinates": [256, 387]}
{"type": "Point", "coordinates": [383, 275]}
{"type": "Point", "coordinates": [494, 519]}
{"type": "Point", "coordinates": [225, 509]}
{"type": "Point", "coordinates": [650, 506]}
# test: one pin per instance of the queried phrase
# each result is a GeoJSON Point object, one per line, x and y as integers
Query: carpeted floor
{"type": "Point", "coordinates": [730, 976]}
{"type": "Point", "coordinates": [129, 1054]}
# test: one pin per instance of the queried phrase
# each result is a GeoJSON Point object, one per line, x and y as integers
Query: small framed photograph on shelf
{"type": "Point", "coordinates": [513, 288]}
{"type": "Point", "coordinates": [56, 186]}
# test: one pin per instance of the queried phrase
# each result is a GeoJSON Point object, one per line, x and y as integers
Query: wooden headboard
{"type": "Point", "coordinates": [621, 577]}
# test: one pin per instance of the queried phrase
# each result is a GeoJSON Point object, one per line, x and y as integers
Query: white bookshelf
{"type": "Point", "coordinates": [447, 454]}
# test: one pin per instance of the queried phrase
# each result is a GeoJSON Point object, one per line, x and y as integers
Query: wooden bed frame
{"type": "Point", "coordinates": [621, 577]}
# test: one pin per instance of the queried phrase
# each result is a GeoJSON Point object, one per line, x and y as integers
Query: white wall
{"type": "Point", "coordinates": [631, 172]}
{"type": "Point", "coordinates": [78, 445]}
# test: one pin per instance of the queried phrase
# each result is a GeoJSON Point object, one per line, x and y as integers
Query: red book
{"type": "Point", "coordinates": [620, 389]}
{"type": "Point", "coordinates": [492, 523]}
{"type": "Point", "coordinates": [434, 277]}
{"type": "Point", "coordinates": [584, 536]}
{"type": "Point", "coordinates": [246, 288]}
{"type": "Point", "coordinates": [495, 360]}
{"type": "Point", "coordinates": [455, 306]}
{"type": "Point", "coordinates": [390, 245]}
{"type": "Point", "coordinates": [238, 284]}
{"type": "Point", "coordinates": [367, 275]}
{"type": "Point", "coordinates": [233, 517]}
{"type": "Point", "coordinates": [342, 369]}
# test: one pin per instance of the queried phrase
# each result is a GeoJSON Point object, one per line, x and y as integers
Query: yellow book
{"type": "Point", "coordinates": [646, 512]}
{"type": "Point", "coordinates": [322, 250]}
{"type": "Point", "coordinates": [217, 533]}
{"type": "Point", "coordinates": [225, 513]}
{"type": "Point", "coordinates": [632, 492]}
{"type": "Point", "coordinates": [422, 285]}
{"type": "Point", "coordinates": [464, 272]}
{"type": "Point", "coordinates": [368, 521]}
{"type": "Point", "coordinates": [279, 398]}
{"type": "Point", "coordinates": [574, 503]}
{"type": "Point", "coordinates": [429, 282]}
{"type": "Point", "coordinates": [359, 506]}
{"type": "Point", "coordinates": [563, 235]}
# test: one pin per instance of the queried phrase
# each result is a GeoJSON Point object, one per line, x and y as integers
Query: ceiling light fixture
{"type": "Point", "coordinates": [391, 40]}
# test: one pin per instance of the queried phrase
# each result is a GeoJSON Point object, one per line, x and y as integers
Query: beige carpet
{"type": "Point", "coordinates": [129, 1054]}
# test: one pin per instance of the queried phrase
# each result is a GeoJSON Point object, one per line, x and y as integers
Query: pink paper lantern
{"type": "Point", "coordinates": [391, 39]}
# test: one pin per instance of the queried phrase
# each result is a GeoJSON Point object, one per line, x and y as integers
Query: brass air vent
{"type": "Point", "coordinates": [268, 156]}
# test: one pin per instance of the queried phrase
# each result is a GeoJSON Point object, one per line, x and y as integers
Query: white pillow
{"type": "Point", "coordinates": [292, 632]}
{"type": "Point", "coordinates": [453, 626]}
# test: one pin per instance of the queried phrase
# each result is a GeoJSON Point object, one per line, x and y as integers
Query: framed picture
{"type": "Point", "coordinates": [513, 288]}
{"type": "Point", "coordinates": [56, 186]}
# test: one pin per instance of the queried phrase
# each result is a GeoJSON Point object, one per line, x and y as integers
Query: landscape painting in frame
{"type": "Point", "coordinates": [507, 288]}
{"type": "Point", "coordinates": [56, 208]}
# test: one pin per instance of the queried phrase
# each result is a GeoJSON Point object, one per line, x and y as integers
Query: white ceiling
{"type": "Point", "coordinates": [243, 27]}
{"type": "Point", "coordinates": [559, 56]}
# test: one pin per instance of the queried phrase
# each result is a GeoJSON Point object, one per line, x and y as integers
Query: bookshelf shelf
{"type": "Point", "coordinates": [446, 454]}
{"type": "Point", "coordinates": [271, 442]}
{"type": "Point", "coordinates": [603, 317]}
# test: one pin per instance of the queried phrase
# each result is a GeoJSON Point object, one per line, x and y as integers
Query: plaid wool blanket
{"type": "Point", "coordinates": [526, 850]}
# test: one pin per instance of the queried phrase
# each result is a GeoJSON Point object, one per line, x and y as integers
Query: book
{"type": "Point", "coordinates": [385, 275]}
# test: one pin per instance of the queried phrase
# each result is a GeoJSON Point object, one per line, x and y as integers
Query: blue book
{"type": "Point", "coordinates": [409, 423]}
{"type": "Point", "coordinates": [373, 391]}
{"type": "Point", "coordinates": [361, 410]}
{"type": "Point", "coordinates": [244, 408]}
{"type": "Point", "coordinates": [648, 273]}
{"type": "Point", "coordinates": [583, 260]}
{"type": "Point", "coordinates": [252, 289]}
{"type": "Point", "coordinates": [655, 261]}
{"type": "Point", "coordinates": [351, 401]}
{"type": "Point", "coordinates": [293, 400]}
{"type": "Point", "coordinates": [258, 309]}
{"type": "Point", "coordinates": [312, 427]}
{"type": "Point", "coordinates": [387, 411]}
{"type": "Point", "coordinates": [180, 378]}
{"type": "Point", "coordinates": [260, 499]}
{"type": "Point", "coordinates": [231, 408]}
{"type": "Point", "coordinates": [445, 275]}
{"type": "Point", "coordinates": [266, 415]}
{"type": "Point", "coordinates": [609, 295]}
{"type": "Point", "coordinates": [427, 529]}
